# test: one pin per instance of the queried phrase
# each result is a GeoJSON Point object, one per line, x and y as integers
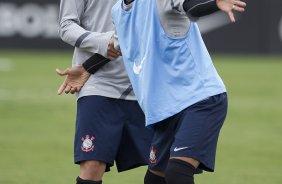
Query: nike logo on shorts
{"type": "Point", "coordinates": [178, 149]}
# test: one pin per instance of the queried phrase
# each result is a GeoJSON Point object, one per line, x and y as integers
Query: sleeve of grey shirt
{"type": "Point", "coordinates": [73, 33]}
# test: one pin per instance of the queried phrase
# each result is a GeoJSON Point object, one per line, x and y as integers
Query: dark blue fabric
{"type": "Point", "coordinates": [191, 133]}
{"type": "Point", "coordinates": [111, 129]}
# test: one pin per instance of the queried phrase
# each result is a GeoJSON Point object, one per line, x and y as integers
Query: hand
{"type": "Point", "coordinates": [76, 77]}
{"type": "Point", "coordinates": [229, 6]}
{"type": "Point", "coordinates": [112, 52]}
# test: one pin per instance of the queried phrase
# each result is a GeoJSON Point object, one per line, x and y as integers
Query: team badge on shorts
{"type": "Point", "coordinates": [87, 144]}
{"type": "Point", "coordinates": [153, 158]}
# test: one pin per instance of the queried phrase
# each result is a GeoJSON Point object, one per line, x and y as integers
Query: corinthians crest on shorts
{"type": "Point", "coordinates": [87, 144]}
{"type": "Point", "coordinates": [153, 158]}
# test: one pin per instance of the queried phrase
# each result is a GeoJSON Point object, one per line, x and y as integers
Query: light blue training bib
{"type": "Point", "coordinates": [167, 74]}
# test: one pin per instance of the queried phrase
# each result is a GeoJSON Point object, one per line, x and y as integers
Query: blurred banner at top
{"type": "Point", "coordinates": [33, 24]}
{"type": "Point", "coordinates": [29, 24]}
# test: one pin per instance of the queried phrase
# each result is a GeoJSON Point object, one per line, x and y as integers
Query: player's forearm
{"type": "Point", "coordinates": [76, 36]}
{"type": "Point", "coordinates": [93, 42]}
{"type": "Point", "coordinates": [199, 8]}
{"type": "Point", "coordinates": [72, 31]}
{"type": "Point", "coordinates": [194, 8]}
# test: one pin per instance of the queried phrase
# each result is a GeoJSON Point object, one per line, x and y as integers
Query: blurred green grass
{"type": "Point", "coordinates": [37, 126]}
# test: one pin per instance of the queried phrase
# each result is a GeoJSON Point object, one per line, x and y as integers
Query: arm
{"type": "Point", "coordinates": [198, 8]}
{"type": "Point", "coordinates": [73, 33]}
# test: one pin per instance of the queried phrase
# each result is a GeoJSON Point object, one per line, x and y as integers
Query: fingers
{"type": "Point", "coordinates": [113, 55]}
{"type": "Point", "coordinates": [73, 82]}
{"type": "Point", "coordinates": [73, 90]}
{"type": "Point", "coordinates": [68, 89]}
{"type": "Point", "coordinates": [62, 88]}
{"type": "Point", "coordinates": [62, 73]}
{"type": "Point", "coordinates": [231, 6]}
{"type": "Point", "coordinates": [239, 6]}
{"type": "Point", "coordinates": [112, 52]}
{"type": "Point", "coordinates": [231, 16]}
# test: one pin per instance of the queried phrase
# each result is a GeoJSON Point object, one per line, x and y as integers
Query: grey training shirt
{"type": "Point", "coordinates": [87, 25]}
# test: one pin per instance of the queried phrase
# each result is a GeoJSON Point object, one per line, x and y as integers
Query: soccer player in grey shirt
{"type": "Point", "coordinates": [109, 124]}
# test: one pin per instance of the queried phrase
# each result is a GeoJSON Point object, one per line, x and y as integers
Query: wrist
{"type": "Point", "coordinates": [83, 71]}
{"type": "Point", "coordinates": [199, 8]}
{"type": "Point", "coordinates": [94, 63]}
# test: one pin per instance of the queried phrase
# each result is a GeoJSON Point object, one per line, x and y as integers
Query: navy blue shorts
{"type": "Point", "coordinates": [191, 133]}
{"type": "Point", "coordinates": [111, 130]}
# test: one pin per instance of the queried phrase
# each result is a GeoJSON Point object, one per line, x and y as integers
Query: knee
{"type": "Point", "coordinates": [179, 172]}
{"type": "Point", "coordinates": [92, 169]}
{"type": "Point", "coordinates": [91, 164]}
{"type": "Point", "coordinates": [153, 178]}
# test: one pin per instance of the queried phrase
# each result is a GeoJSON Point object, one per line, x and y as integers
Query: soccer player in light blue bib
{"type": "Point", "coordinates": [175, 82]}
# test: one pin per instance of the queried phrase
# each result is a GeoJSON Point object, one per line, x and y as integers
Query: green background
{"type": "Point", "coordinates": [37, 125]}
